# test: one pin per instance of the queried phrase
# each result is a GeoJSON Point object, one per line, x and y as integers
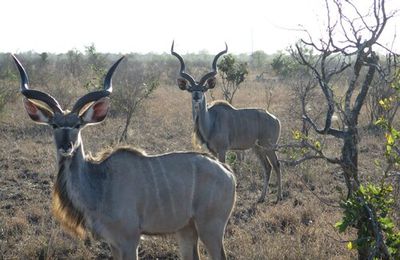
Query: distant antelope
{"type": "Point", "coordinates": [222, 127]}
{"type": "Point", "coordinates": [126, 193]}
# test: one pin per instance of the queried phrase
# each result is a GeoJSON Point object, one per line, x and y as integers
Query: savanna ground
{"type": "Point", "coordinates": [299, 227]}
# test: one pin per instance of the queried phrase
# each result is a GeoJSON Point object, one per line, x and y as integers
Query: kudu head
{"type": "Point", "coordinates": [197, 88]}
{"type": "Point", "coordinates": [90, 109]}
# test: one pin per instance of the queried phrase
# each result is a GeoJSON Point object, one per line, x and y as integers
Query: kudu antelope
{"type": "Point", "coordinates": [222, 127]}
{"type": "Point", "coordinates": [127, 193]}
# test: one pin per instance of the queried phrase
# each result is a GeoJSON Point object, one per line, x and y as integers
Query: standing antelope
{"type": "Point", "coordinates": [222, 127]}
{"type": "Point", "coordinates": [126, 193]}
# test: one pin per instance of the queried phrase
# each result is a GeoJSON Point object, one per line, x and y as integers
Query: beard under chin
{"type": "Point", "coordinates": [66, 154]}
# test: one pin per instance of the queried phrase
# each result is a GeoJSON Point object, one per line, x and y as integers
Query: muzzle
{"type": "Point", "coordinates": [67, 151]}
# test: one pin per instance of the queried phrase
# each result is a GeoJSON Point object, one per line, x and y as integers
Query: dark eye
{"type": "Point", "coordinates": [54, 125]}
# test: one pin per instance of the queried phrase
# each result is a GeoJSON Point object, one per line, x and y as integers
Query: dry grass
{"type": "Point", "coordinates": [299, 227]}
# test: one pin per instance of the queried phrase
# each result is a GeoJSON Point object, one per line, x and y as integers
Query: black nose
{"type": "Point", "coordinates": [196, 97]}
{"type": "Point", "coordinates": [66, 143]}
{"type": "Point", "coordinates": [66, 146]}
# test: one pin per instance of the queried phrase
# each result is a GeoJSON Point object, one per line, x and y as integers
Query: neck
{"type": "Point", "coordinates": [72, 169]}
{"type": "Point", "coordinates": [203, 118]}
{"type": "Point", "coordinates": [67, 196]}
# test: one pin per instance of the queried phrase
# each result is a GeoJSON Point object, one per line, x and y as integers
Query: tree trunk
{"type": "Point", "coordinates": [350, 159]}
{"type": "Point", "coordinates": [363, 252]}
{"type": "Point", "coordinates": [350, 171]}
{"type": "Point", "coordinates": [124, 134]}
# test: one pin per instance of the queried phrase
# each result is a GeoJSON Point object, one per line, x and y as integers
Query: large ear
{"type": "Point", "coordinates": [182, 83]}
{"type": "Point", "coordinates": [211, 82]}
{"type": "Point", "coordinates": [95, 112]}
{"type": "Point", "coordinates": [37, 111]}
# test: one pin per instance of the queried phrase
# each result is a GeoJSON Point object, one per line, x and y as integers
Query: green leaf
{"type": "Point", "coordinates": [341, 226]}
{"type": "Point", "coordinates": [381, 122]}
{"type": "Point", "coordinates": [350, 245]}
{"type": "Point", "coordinates": [389, 139]}
{"type": "Point", "coordinates": [395, 133]}
{"type": "Point", "coordinates": [362, 189]}
{"type": "Point", "coordinates": [386, 223]}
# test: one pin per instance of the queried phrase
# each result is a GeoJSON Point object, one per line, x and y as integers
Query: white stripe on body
{"type": "Point", "coordinates": [156, 188]}
{"type": "Point", "coordinates": [168, 185]}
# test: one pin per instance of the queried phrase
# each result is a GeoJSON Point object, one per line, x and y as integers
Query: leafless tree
{"type": "Point", "coordinates": [269, 83]}
{"type": "Point", "coordinates": [137, 83]}
{"type": "Point", "coordinates": [349, 47]}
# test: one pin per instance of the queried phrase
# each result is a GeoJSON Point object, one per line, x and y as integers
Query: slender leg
{"type": "Point", "coordinates": [130, 251]}
{"type": "Point", "coordinates": [126, 249]}
{"type": "Point", "coordinates": [240, 155]}
{"type": "Point", "coordinates": [267, 172]}
{"type": "Point", "coordinates": [273, 158]}
{"type": "Point", "coordinates": [211, 221]}
{"type": "Point", "coordinates": [212, 234]}
{"type": "Point", "coordinates": [188, 242]}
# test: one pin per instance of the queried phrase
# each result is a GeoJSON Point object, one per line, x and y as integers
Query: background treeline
{"type": "Point", "coordinates": [74, 72]}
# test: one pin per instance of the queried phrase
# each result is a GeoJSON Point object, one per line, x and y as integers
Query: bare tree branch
{"type": "Point", "coordinates": [364, 88]}
{"type": "Point", "coordinates": [318, 154]}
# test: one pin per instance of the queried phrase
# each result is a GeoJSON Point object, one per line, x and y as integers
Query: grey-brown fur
{"type": "Point", "coordinates": [124, 193]}
{"type": "Point", "coordinates": [64, 209]}
{"type": "Point", "coordinates": [222, 127]}
{"type": "Point", "coordinates": [154, 193]}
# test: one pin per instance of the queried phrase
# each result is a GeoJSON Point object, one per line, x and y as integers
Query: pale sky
{"type": "Point", "coordinates": [125, 26]}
